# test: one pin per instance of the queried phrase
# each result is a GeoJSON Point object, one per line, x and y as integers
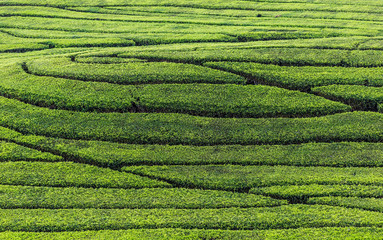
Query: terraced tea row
{"type": "Point", "coordinates": [66, 174]}
{"type": "Point", "coordinates": [292, 216]}
{"type": "Point", "coordinates": [44, 36]}
{"type": "Point", "coordinates": [13, 152]}
{"type": "Point", "coordinates": [27, 197]}
{"type": "Point", "coordinates": [165, 72]}
{"type": "Point", "coordinates": [177, 233]}
{"type": "Point", "coordinates": [304, 192]}
{"type": "Point", "coordinates": [277, 56]}
{"type": "Point", "coordinates": [82, 22]}
{"type": "Point", "coordinates": [372, 204]}
{"type": "Point", "coordinates": [360, 97]}
{"type": "Point", "coordinates": [185, 129]}
{"type": "Point", "coordinates": [198, 99]}
{"type": "Point", "coordinates": [115, 155]}
{"type": "Point", "coordinates": [242, 178]}
{"type": "Point", "coordinates": [303, 78]}
{"type": "Point", "coordinates": [138, 72]}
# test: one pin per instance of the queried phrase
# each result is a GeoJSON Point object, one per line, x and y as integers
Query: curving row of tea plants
{"type": "Point", "coordinates": [197, 119]}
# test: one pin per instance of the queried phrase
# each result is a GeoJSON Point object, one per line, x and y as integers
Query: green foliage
{"type": "Point", "coordinates": [142, 26]}
{"type": "Point", "coordinates": [89, 42]}
{"type": "Point", "coordinates": [139, 39]}
{"type": "Point", "coordinates": [55, 198]}
{"type": "Point", "coordinates": [372, 204]}
{"type": "Point", "coordinates": [277, 35]}
{"type": "Point", "coordinates": [66, 174]}
{"type": "Point", "coordinates": [194, 234]}
{"type": "Point", "coordinates": [303, 78]}
{"type": "Point", "coordinates": [293, 216]}
{"type": "Point", "coordinates": [360, 97]}
{"type": "Point", "coordinates": [107, 60]}
{"type": "Point", "coordinates": [242, 178]}
{"type": "Point", "coordinates": [64, 93]}
{"type": "Point", "coordinates": [343, 154]}
{"type": "Point", "coordinates": [198, 99]}
{"type": "Point", "coordinates": [185, 129]}
{"type": "Point", "coordinates": [172, 38]}
{"type": "Point", "coordinates": [363, 5]}
{"type": "Point", "coordinates": [314, 190]}
{"type": "Point", "coordinates": [22, 47]}
{"type": "Point", "coordinates": [234, 101]}
{"type": "Point", "coordinates": [372, 45]}
{"type": "Point", "coordinates": [139, 72]}
{"type": "Point", "coordinates": [101, 163]}
{"type": "Point", "coordinates": [278, 56]}
{"type": "Point", "coordinates": [14, 152]}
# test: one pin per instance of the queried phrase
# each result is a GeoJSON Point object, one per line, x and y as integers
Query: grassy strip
{"type": "Point", "coordinates": [66, 174]}
{"type": "Point", "coordinates": [64, 93]}
{"type": "Point", "coordinates": [185, 129]}
{"type": "Point", "coordinates": [360, 97]}
{"type": "Point", "coordinates": [372, 45]}
{"type": "Point", "coordinates": [234, 101]}
{"type": "Point", "coordinates": [114, 155]}
{"type": "Point", "coordinates": [108, 154]}
{"type": "Point", "coordinates": [14, 152]}
{"type": "Point", "coordinates": [314, 190]}
{"type": "Point", "coordinates": [351, 14]}
{"type": "Point", "coordinates": [267, 8]}
{"type": "Point", "coordinates": [107, 60]}
{"type": "Point", "coordinates": [303, 78]}
{"type": "Point", "coordinates": [277, 56]}
{"type": "Point", "coordinates": [223, 4]}
{"type": "Point", "coordinates": [207, 100]}
{"type": "Point", "coordinates": [139, 72]}
{"type": "Point", "coordinates": [203, 40]}
{"type": "Point", "coordinates": [139, 39]}
{"type": "Point", "coordinates": [143, 26]}
{"type": "Point", "coordinates": [195, 234]}
{"type": "Point", "coordinates": [242, 178]}
{"type": "Point", "coordinates": [193, 16]}
{"type": "Point", "coordinates": [22, 47]}
{"type": "Point", "coordinates": [172, 38]}
{"type": "Point", "coordinates": [181, 24]}
{"type": "Point", "coordinates": [54, 198]}
{"type": "Point", "coordinates": [121, 19]}
{"type": "Point", "coordinates": [270, 35]}
{"type": "Point", "coordinates": [89, 42]}
{"type": "Point", "coordinates": [372, 204]}
{"type": "Point", "coordinates": [290, 216]}
{"type": "Point", "coordinates": [199, 99]}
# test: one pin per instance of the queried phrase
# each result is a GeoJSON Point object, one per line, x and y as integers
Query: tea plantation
{"type": "Point", "coordinates": [180, 119]}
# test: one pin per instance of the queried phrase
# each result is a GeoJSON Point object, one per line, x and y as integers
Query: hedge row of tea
{"type": "Point", "coordinates": [360, 97]}
{"type": "Point", "coordinates": [13, 152]}
{"type": "Point", "coordinates": [303, 78]}
{"type": "Point", "coordinates": [139, 72]}
{"type": "Point", "coordinates": [194, 119]}
{"type": "Point", "coordinates": [171, 128]}
{"type": "Point", "coordinates": [115, 155]}
{"type": "Point", "coordinates": [224, 100]}
{"type": "Point", "coordinates": [189, 234]}
{"type": "Point", "coordinates": [116, 198]}
{"type": "Point", "coordinates": [316, 190]}
{"type": "Point", "coordinates": [66, 174]}
{"type": "Point", "coordinates": [289, 56]}
{"type": "Point", "coordinates": [281, 217]}
{"type": "Point", "coordinates": [242, 178]}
